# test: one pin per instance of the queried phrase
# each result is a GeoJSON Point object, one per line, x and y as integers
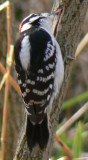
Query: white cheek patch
{"type": "Point", "coordinates": [32, 19]}
{"type": "Point", "coordinates": [26, 27]}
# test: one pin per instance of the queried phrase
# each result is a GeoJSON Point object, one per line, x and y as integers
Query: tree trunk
{"type": "Point", "coordinates": [68, 39]}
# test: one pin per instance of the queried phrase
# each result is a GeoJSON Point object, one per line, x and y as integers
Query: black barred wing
{"type": "Point", "coordinates": [37, 82]}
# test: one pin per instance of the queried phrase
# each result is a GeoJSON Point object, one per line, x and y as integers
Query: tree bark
{"type": "Point", "coordinates": [68, 39]}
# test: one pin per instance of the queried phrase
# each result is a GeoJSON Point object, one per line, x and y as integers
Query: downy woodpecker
{"type": "Point", "coordinates": [40, 71]}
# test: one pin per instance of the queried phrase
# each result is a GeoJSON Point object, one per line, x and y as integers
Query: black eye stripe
{"type": "Point", "coordinates": [33, 19]}
{"type": "Point", "coordinates": [34, 15]}
{"type": "Point", "coordinates": [30, 18]}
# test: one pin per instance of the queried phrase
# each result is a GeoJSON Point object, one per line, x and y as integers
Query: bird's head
{"type": "Point", "coordinates": [41, 20]}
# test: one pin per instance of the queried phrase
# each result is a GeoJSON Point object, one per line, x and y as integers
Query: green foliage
{"type": "Point", "coordinates": [57, 154]}
{"type": "Point", "coordinates": [78, 140]}
{"type": "Point", "coordinates": [68, 142]}
{"type": "Point", "coordinates": [74, 101]}
{"type": "Point", "coordinates": [76, 144]}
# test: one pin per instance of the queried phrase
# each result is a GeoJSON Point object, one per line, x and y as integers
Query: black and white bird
{"type": "Point", "coordinates": [40, 71]}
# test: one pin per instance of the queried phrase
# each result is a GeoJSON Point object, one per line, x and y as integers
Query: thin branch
{"type": "Point", "coordinates": [6, 105]}
{"type": "Point", "coordinates": [67, 124]}
{"type": "Point", "coordinates": [3, 80]}
{"type": "Point", "coordinates": [12, 81]}
{"type": "Point", "coordinates": [66, 158]}
{"type": "Point", "coordinates": [81, 45]}
{"type": "Point", "coordinates": [8, 31]}
{"type": "Point", "coordinates": [64, 147]}
{"type": "Point", "coordinates": [9, 53]}
{"type": "Point", "coordinates": [4, 5]}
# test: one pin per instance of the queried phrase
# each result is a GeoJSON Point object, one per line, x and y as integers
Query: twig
{"type": "Point", "coordinates": [73, 119]}
{"type": "Point", "coordinates": [7, 5]}
{"type": "Point", "coordinates": [81, 45]}
{"type": "Point", "coordinates": [9, 33]}
{"type": "Point", "coordinates": [66, 158]}
{"type": "Point", "coordinates": [4, 5]}
{"type": "Point", "coordinates": [3, 80]}
{"type": "Point", "coordinates": [12, 81]}
{"type": "Point", "coordinates": [5, 108]}
{"type": "Point", "coordinates": [65, 147]}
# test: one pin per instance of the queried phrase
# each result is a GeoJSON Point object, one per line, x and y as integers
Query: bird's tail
{"type": "Point", "coordinates": [38, 133]}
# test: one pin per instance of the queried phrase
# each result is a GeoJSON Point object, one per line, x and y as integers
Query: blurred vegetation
{"type": "Point", "coordinates": [78, 140]}
{"type": "Point", "coordinates": [76, 137]}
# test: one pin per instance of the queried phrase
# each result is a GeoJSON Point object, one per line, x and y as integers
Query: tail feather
{"type": "Point", "coordinates": [37, 133]}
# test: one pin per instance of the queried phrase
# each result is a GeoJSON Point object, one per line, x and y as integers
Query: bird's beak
{"type": "Point", "coordinates": [58, 11]}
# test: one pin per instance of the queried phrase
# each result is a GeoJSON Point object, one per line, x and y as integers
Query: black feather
{"type": "Point", "coordinates": [37, 133]}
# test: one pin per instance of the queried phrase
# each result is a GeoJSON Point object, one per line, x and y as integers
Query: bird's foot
{"type": "Point", "coordinates": [68, 58]}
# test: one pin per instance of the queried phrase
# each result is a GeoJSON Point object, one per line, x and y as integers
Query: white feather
{"type": "Point", "coordinates": [58, 74]}
{"type": "Point", "coordinates": [26, 26]}
{"type": "Point", "coordinates": [25, 52]}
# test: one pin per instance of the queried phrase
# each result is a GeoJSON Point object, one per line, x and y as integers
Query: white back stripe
{"type": "Point", "coordinates": [25, 52]}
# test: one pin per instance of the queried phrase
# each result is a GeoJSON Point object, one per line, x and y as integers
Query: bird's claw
{"type": "Point", "coordinates": [68, 58]}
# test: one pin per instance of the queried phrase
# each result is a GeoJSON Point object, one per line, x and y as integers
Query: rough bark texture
{"type": "Point", "coordinates": [68, 39]}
